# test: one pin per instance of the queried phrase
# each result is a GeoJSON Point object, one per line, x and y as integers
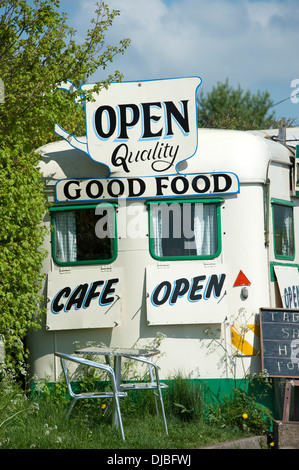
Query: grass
{"type": "Point", "coordinates": [38, 422]}
{"type": "Point", "coordinates": [46, 428]}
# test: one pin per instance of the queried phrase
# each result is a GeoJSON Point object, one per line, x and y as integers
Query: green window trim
{"type": "Point", "coordinates": [216, 201]}
{"type": "Point", "coordinates": [86, 206]}
{"type": "Point", "coordinates": [296, 171]}
{"type": "Point", "coordinates": [281, 202]}
{"type": "Point", "coordinates": [181, 200]}
{"type": "Point", "coordinates": [274, 263]}
{"type": "Point", "coordinates": [54, 209]}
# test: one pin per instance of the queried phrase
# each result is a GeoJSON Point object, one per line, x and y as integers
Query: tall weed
{"type": "Point", "coordinates": [184, 399]}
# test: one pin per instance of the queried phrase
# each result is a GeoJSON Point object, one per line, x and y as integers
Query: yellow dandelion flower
{"type": "Point", "coordinates": [244, 415]}
{"type": "Point", "coordinates": [103, 406]}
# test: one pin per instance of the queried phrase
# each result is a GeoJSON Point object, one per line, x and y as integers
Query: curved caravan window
{"type": "Point", "coordinates": [185, 229]}
{"type": "Point", "coordinates": [84, 234]}
{"type": "Point", "coordinates": [283, 229]}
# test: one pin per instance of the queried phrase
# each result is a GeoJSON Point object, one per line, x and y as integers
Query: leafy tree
{"type": "Point", "coordinates": [38, 51]}
{"type": "Point", "coordinates": [226, 107]}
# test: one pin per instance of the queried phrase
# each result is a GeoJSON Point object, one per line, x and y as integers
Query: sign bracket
{"type": "Point", "coordinates": [289, 386]}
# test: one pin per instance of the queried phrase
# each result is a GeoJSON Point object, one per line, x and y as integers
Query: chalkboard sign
{"type": "Point", "coordinates": [280, 342]}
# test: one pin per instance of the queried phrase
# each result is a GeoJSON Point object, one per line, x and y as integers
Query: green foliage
{"type": "Point", "coordinates": [241, 410]}
{"type": "Point", "coordinates": [21, 210]}
{"type": "Point", "coordinates": [13, 401]}
{"type": "Point", "coordinates": [184, 399]}
{"type": "Point", "coordinates": [47, 391]}
{"type": "Point", "coordinates": [226, 107]}
{"type": "Point", "coordinates": [38, 422]}
{"type": "Point", "coordinates": [38, 51]}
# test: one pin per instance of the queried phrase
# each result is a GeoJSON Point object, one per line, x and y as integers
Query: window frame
{"type": "Point", "coordinates": [82, 207]}
{"type": "Point", "coordinates": [280, 202]}
{"type": "Point", "coordinates": [216, 201]}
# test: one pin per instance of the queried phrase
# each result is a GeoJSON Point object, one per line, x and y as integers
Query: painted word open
{"type": "Point", "coordinates": [124, 117]}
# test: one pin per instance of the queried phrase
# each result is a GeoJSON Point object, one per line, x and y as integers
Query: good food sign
{"type": "Point", "coordinates": [140, 128]}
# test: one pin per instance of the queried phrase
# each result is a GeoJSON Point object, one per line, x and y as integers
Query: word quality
{"type": "Point", "coordinates": [142, 124]}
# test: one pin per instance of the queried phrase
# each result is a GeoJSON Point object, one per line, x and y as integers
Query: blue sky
{"type": "Point", "coordinates": [253, 43]}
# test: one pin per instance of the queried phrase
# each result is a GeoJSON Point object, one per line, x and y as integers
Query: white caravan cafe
{"type": "Point", "coordinates": [143, 284]}
{"type": "Point", "coordinates": [186, 253]}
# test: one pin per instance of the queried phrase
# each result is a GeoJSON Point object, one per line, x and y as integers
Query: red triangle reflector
{"type": "Point", "coordinates": [241, 280]}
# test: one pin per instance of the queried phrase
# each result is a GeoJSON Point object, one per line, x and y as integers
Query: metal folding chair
{"type": "Point", "coordinates": [152, 385]}
{"type": "Point", "coordinates": [115, 394]}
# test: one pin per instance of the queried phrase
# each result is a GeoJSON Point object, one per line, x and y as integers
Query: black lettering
{"type": "Point", "coordinates": [159, 185]}
{"type": "Point", "coordinates": [147, 118]}
{"type": "Point", "coordinates": [121, 188]}
{"type": "Point", "coordinates": [182, 120]}
{"type": "Point", "coordinates": [66, 190]}
{"type": "Point", "coordinates": [65, 292]}
{"type": "Point", "coordinates": [194, 296]}
{"type": "Point", "coordinates": [98, 186]}
{"type": "Point", "coordinates": [118, 160]}
{"type": "Point", "coordinates": [77, 297]}
{"type": "Point", "coordinates": [215, 284]}
{"type": "Point", "coordinates": [181, 287]}
{"type": "Point", "coordinates": [137, 192]}
{"type": "Point", "coordinates": [111, 121]}
{"type": "Point", "coordinates": [124, 124]}
{"type": "Point", "coordinates": [228, 182]}
{"type": "Point", "coordinates": [166, 285]}
{"type": "Point", "coordinates": [185, 185]}
{"type": "Point", "coordinates": [206, 181]}
{"type": "Point", "coordinates": [294, 296]}
{"type": "Point", "coordinates": [92, 294]}
{"type": "Point", "coordinates": [290, 296]}
{"type": "Point", "coordinates": [108, 290]}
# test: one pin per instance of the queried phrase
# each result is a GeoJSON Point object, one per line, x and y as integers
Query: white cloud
{"type": "Point", "coordinates": [251, 42]}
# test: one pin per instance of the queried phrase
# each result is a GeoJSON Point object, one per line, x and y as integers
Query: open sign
{"type": "Point", "coordinates": [186, 295]}
{"type": "Point", "coordinates": [146, 116]}
{"type": "Point", "coordinates": [140, 128]}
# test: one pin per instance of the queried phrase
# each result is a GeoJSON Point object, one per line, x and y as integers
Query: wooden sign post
{"type": "Point", "coordinates": [280, 349]}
